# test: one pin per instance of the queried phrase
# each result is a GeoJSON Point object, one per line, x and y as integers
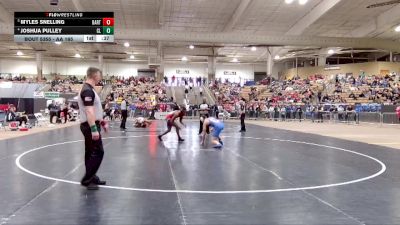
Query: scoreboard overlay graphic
{"type": "Point", "coordinates": [64, 26]}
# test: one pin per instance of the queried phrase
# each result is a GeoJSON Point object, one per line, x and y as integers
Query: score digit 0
{"type": "Point", "coordinates": [108, 30]}
{"type": "Point", "coordinates": [109, 22]}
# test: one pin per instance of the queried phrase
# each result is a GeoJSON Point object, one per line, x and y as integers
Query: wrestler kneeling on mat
{"type": "Point", "coordinates": [141, 122]}
{"type": "Point", "coordinates": [217, 127]}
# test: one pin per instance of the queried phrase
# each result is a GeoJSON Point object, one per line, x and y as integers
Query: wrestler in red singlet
{"type": "Point", "coordinates": [171, 122]}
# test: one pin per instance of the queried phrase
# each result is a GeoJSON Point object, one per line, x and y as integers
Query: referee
{"type": "Point", "coordinates": [203, 111]}
{"type": "Point", "coordinates": [91, 115]}
{"type": "Point", "coordinates": [124, 113]}
{"type": "Point", "coordinates": [242, 113]}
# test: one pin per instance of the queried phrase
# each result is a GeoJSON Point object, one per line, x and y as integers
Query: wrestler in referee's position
{"type": "Point", "coordinates": [217, 126]}
{"type": "Point", "coordinates": [91, 116]}
{"type": "Point", "coordinates": [141, 122]}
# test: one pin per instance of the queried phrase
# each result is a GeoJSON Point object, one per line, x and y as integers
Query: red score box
{"type": "Point", "coordinates": [108, 22]}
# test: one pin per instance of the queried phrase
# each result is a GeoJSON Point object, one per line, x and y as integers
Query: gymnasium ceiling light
{"type": "Point", "coordinates": [184, 58]}
{"type": "Point", "coordinates": [397, 29]}
{"type": "Point", "coordinates": [277, 57]}
{"type": "Point", "coordinates": [126, 44]}
{"type": "Point", "coordinates": [191, 46]}
{"type": "Point", "coordinates": [254, 48]}
{"type": "Point", "coordinates": [303, 2]}
{"type": "Point", "coordinates": [331, 52]}
{"type": "Point", "coordinates": [19, 53]}
{"type": "Point", "coordinates": [77, 55]}
{"type": "Point", "coordinates": [132, 57]}
{"type": "Point", "coordinates": [235, 60]}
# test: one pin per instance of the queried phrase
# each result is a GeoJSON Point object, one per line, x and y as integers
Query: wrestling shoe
{"type": "Point", "coordinates": [98, 181]}
{"type": "Point", "coordinates": [217, 146]}
{"type": "Point", "coordinates": [92, 187]}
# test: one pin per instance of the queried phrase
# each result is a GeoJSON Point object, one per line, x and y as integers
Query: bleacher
{"type": "Point", "coordinates": [138, 90]}
{"type": "Point", "coordinates": [261, 92]}
{"type": "Point", "coordinates": [347, 90]}
{"type": "Point", "coordinates": [76, 88]}
{"type": "Point", "coordinates": [96, 88]}
{"type": "Point", "coordinates": [324, 86]}
{"type": "Point", "coordinates": [244, 92]}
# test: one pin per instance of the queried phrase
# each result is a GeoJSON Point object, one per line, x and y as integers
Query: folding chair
{"type": "Point", "coordinates": [40, 119]}
{"type": "Point", "coordinates": [3, 124]}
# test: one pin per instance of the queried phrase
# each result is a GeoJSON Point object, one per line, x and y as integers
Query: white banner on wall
{"type": "Point", "coordinates": [38, 94]}
{"type": "Point", "coordinates": [178, 70]}
{"type": "Point", "coordinates": [235, 73]}
{"type": "Point", "coordinates": [229, 72]}
{"type": "Point", "coordinates": [181, 71]}
{"type": "Point", "coordinates": [332, 68]}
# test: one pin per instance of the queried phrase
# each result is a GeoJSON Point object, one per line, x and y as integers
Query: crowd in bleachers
{"type": "Point", "coordinates": [142, 95]}
{"type": "Point", "coordinates": [340, 89]}
{"type": "Point", "coordinates": [138, 89]}
{"type": "Point", "coordinates": [182, 81]}
{"type": "Point", "coordinates": [290, 97]}
{"type": "Point", "coordinates": [19, 79]}
{"type": "Point", "coordinates": [225, 92]}
{"type": "Point", "coordinates": [69, 84]}
{"type": "Point", "coordinates": [378, 89]}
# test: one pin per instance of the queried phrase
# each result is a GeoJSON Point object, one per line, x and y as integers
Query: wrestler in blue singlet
{"type": "Point", "coordinates": [217, 126]}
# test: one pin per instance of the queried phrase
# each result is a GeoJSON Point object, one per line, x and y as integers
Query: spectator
{"type": "Point", "coordinates": [283, 113]}
{"type": "Point", "coordinates": [53, 110]}
{"type": "Point", "coordinates": [186, 91]}
{"type": "Point", "coordinates": [264, 111]}
{"type": "Point", "coordinates": [300, 112]}
{"type": "Point", "coordinates": [65, 112]}
{"type": "Point", "coordinates": [242, 113]}
{"type": "Point", "coordinates": [191, 86]}
{"type": "Point", "coordinates": [132, 108]}
{"type": "Point", "coordinates": [107, 110]}
{"type": "Point", "coordinates": [12, 116]}
{"type": "Point", "coordinates": [271, 112]}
